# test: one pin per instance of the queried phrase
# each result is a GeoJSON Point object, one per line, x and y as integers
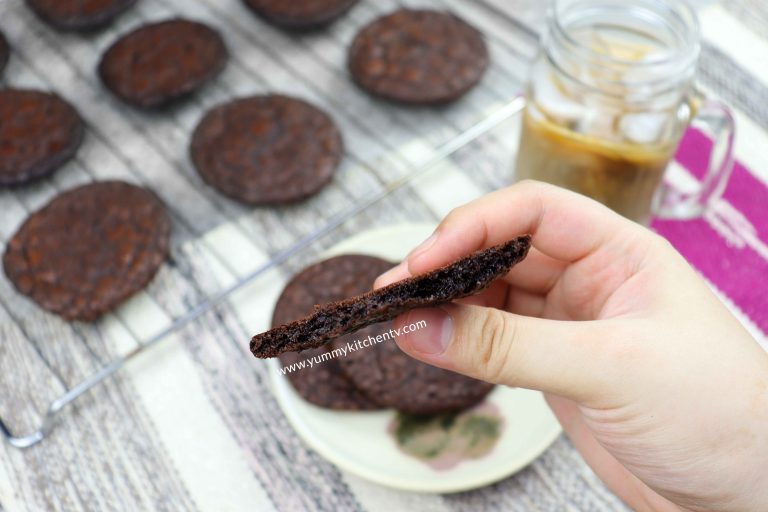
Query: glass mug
{"type": "Point", "coordinates": [608, 99]}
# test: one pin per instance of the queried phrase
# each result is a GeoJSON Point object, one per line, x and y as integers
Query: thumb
{"type": "Point", "coordinates": [570, 359]}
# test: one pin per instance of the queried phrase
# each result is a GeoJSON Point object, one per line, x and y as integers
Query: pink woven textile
{"type": "Point", "coordinates": [729, 245]}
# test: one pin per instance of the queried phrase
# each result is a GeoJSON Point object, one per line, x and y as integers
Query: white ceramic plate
{"type": "Point", "coordinates": [359, 442]}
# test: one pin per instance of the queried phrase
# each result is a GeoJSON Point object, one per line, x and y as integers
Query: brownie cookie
{"type": "Point", "coordinates": [266, 149]}
{"type": "Point", "coordinates": [158, 63]}
{"type": "Point", "coordinates": [39, 132]}
{"type": "Point", "coordinates": [79, 14]}
{"type": "Point", "coordinates": [300, 14]}
{"type": "Point", "coordinates": [324, 384]}
{"type": "Point", "coordinates": [418, 56]}
{"type": "Point", "coordinates": [89, 249]}
{"type": "Point", "coordinates": [5, 52]}
{"type": "Point", "coordinates": [337, 278]}
{"type": "Point", "coordinates": [468, 276]}
{"type": "Point", "coordinates": [396, 380]}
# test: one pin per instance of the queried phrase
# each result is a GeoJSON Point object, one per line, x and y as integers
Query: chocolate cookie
{"type": "Point", "coordinates": [158, 63]}
{"type": "Point", "coordinates": [79, 14]}
{"type": "Point", "coordinates": [5, 52]}
{"type": "Point", "coordinates": [266, 149]}
{"type": "Point", "coordinates": [39, 132]}
{"type": "Point", "coordinates": [89, 249]}
{"type": "Point", "coordinates": [396, 380]}
{"type": "Point", "coordinates": [300, 14]}
{"type": "Point", "coordinates": [418, 56]}
{"type": "Point", "coordinates": [324, 383]}
{"type": "Point", "coordinates": [467, 276]}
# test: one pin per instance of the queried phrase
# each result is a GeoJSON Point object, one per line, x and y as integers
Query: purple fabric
{"type": "Point", "coordinates": [737, 269]}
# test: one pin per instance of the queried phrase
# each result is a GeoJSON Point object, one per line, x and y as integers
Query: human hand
{"type": "Point", "coordinates": [657, 385]}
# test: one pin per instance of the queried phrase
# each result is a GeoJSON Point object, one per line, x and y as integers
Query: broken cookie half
{"type": "Point", "coordinates": [467, 276]}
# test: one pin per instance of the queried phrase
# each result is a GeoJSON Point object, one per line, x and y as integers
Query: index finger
{"type": "Point", "coordinates": [564, 225]}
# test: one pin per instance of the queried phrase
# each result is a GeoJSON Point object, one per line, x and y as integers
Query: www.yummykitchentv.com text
{"type": "Point", "coordinates": [352, 346]}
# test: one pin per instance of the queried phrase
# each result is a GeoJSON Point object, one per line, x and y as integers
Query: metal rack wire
{"type": "Point", "coordinates": [40, 59]}
{"type": "Point", "coordinates": [68, 397]}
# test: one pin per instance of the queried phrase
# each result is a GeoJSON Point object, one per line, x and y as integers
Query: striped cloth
{"type": "Point", "coordinates": [191, 424]}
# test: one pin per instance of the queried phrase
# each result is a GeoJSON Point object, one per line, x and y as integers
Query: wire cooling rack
{"type": "Point", "coordinates": [56, 407]}
{"type": "Point", "coordinates": [47, 365]}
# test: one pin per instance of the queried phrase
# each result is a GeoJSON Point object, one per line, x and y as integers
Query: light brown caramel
{"type": "Point", "coordinates": [624, 176]}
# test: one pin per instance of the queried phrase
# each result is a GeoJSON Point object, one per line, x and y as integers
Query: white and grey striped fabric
{"type": "Point", "coordinates": [191, 424]}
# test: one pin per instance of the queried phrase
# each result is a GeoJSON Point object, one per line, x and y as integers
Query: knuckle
{"type": "Point", "coordinates": [528, 183]}
{"type": "Point", "coordinates": [663, 243]}
{"type": "Point", "coordinates": [533, 186]}
{"type": "Point", "coordinates": [497, 332]}
{"type": "Point", "coordinates": [455, 214]}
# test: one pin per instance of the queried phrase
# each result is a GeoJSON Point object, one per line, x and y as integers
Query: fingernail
{"type": "Point", "coordinates": [433, 335]}
{"type": "Point", "coordinates": [391, 275]}
{"type": "Point", "coordinates": [423, 246]}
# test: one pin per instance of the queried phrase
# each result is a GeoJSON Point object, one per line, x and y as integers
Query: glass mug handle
{"type": "Point", "coordinates": [716, 120]}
